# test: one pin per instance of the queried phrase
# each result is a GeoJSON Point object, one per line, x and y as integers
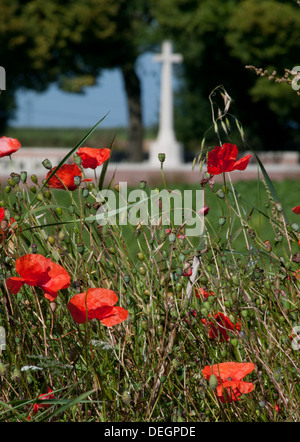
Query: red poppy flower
{"type": "Point", "coordinates": [97, 303]}
{"type": "Point", "coordinates": [45, 396]}
{"type": "Point", "coordinates": [296, 210]}
{"type": "Point", "coordinates": [8, 146]}
{"type": "Point", "coordinates": [38, 271]}
{"type": "Point", "coordinates": [204, 210]}
{"type": "Point", "coordinates": [187, 272]}
{"type": "Point", "coordinates": [223, 159]}
{"type": "Point", "coordinates": [64, 177]}
{"type": "Point", "coordinates": [219, 328]}
{"type": "Point", "coordinates": [230, 375]}
{"type": "Point", "coordinates": [91, 157]}
{"type": "Point", "coordinates": [4, 228]}
{"type": "Point", "coordinates": [202, 293]}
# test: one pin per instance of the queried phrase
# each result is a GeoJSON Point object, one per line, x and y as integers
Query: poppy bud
{"type": "Point", "coordinates": [16, 375]}
{"type": "Point", "coordinates": [204, 312]}
{"type": "Point", "coordinates": [142, 270]}
{"type": "Point", "coordinates": [127, 278]}
{"type": "Point", "coordinates": [142, 184]}
{"type": "Point", "coordinates": [213, 382]}
{"type": "Point", "coordinates": [2, 369]}
{"type": "Point", "coordinates": [40, 197]}
{"type": "Point", "coordinates": [77, 159]}
{"type": "Point", "coordinates": [48, 195]}
{"type": "Point", "coordinates": [204, 210]}
{"type": "Point", "coordinates": [47, 164]}
{"type": "Point", "coordinates": [23, 176]}
{"type": "Point", "coordinates": [33, 189]}
{"type": "Point", "coordinates": [222, 220]}
{"type": "Point", "coordinates": [58, 210]}
{"type": "Point", "coordinates": [34, 179]}
{"type": "Point", "coordinates": [15, 177]}
{"type": "Point", "coordinates": [7, 214]}
{"type": "Point", "coordinates": [51, 240]}
{"type": "Point", "coordinates": [80, 248]}
{"type": "Point", "coordinates": [140, 256]}
{"type": "Point", "coordinates": [7, 189]}
{"type": "Point", "coordinates": [85, 192]}
{"type": "Point", "coordinates": [144, 325]}
{"type": "Point", "coordinates": [278, 207]}
{"type": "Point", "coordinates": [235, 280]}
{"type": "Point", "coordinates": [126, 398]}
{"type": "Point", "coordinates": [172, 237]}
{"type": "Point", "coordinates": [161, 157]}
{"type": "Point", "coordinates": [71, 209]}
{"type": "Point", "coordinates": [295, 227]}
{"type": "Point", "coordinates": [11, 182]}
{"type": "Point", "coordinates": [220, 193]}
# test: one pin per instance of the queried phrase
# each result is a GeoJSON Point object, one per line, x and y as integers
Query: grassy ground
{"type": "Point", "coordinates": [150, 367]}
{"type": "Point", "coordinates": [68, 137]}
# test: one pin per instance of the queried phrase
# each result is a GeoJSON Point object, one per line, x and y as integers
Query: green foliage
{"type": "Point", "coordinates": [217, 39]}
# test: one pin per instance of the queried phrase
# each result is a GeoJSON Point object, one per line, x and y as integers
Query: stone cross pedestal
{"type": "Point", "coordinates": [166, 142]}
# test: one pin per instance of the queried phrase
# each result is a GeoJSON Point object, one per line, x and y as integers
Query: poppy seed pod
{"type": "Point", "coordinates": [80, 248]}
{"type": "Point", "coordinates": [34, 179]}
{"type": "Point", "coordinates": [47, 164]}
{"type": "Point", "coordinates": [142, 184]}
{"type": "Point", "coordinates": [3, 369]}
{"type": "Point", "coordinates": [23, 176]}
{"type": "Point", "coordinates": [77, 180]}
{"type": "Point", "coordinates": [213, 382]}
{"type": "Point", "coordinates": [77, 159]}
{"type": "Point", "coordinates": [222, 221]}
{"type": "Point", "coordinates": [15, 177]}
{"type": "Point", "coordinates": [85, 192]}
{"type": "Point", "coordinates": [172, 237]}
{"type": "Point", "coordinates": [161, 157]}
{"type": "Point", "coordinates": [11, 182]}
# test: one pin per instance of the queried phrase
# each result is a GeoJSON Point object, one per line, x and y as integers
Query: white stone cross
{"type": "Point", "coordinates": [166, 141]}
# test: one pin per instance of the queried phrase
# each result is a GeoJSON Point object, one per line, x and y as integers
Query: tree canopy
{"type": "Point", "coordinates": [218, 39]}
{"type": "Point", "coordinates": [71, 42]}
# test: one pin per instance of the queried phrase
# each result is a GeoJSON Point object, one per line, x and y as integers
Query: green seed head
{"type": "Point", "coordinates": [34, 179]}
{"type": "Point", "coordinates": [47, 164]}
{"type": "Point", "coordinates": [161, 157]}
{"type": "Point", "coordinates": [213, 382]}
{"type": "Point", "coordinates": [23, 176]}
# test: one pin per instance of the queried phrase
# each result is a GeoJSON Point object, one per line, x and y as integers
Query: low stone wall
{"type": "Point", "coordinates": [279, 165]}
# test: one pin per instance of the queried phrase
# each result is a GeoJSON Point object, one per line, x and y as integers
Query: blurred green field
{"type": "Point", "coordinates": [69, 137]}
{"type": "Point", "coordinates": [252, 196]}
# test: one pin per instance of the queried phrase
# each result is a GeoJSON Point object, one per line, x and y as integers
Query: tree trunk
{"type": "Point", "coordinates": [135, 127]}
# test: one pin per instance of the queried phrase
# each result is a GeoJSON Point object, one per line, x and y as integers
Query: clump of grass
{"type": "Point", "coordinates": [149, 367]}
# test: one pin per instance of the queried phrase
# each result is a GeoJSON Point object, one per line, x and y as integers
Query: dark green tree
{"type": "Point", "coordinates": [70, 43]}
{"type": "Point", "coordinates": [217, 40]}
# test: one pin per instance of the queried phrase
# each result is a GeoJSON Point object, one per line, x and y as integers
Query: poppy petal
{"type": "Point", "coordinates": [14, 284]}
{"type": "Point", "coordinates": [115, 316]}
{"type": "Point", "coordinates": [228, 370]}
{"type": "Point", "coordinates": [296, 210]}
{"type": "Point", "coordinates": [242, 163]}
{"type": "Point", "coordinates": [231, 390]}
{"type": "Point", "coordinates": [8, 146]}
{"type": "Point", "coordinates": [86, 305]}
